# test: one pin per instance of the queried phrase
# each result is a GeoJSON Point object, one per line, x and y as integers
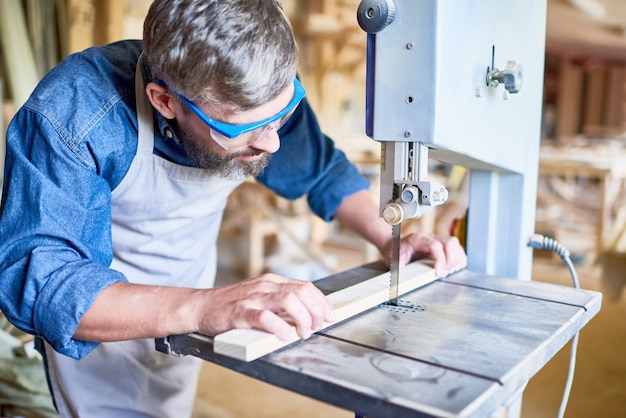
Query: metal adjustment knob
{"type": "Point", "coordinates": [410, 194]}
{"type": "Point", "coordinates": [374, 15]}
{"type": "Point", "coordinates": [393, 213]}
{"type": "Point", "coordinates": [512, 77]}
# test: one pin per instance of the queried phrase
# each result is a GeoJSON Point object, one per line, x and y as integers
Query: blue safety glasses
{"type": "Point", "coordinates": [236, 136]}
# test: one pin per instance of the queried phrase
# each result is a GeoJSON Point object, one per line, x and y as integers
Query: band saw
{"type": "Point", "coordinates": [461, 83]}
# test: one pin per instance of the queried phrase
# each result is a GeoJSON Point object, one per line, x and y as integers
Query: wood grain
{"type": "Point", "coordinates": [250, 344]}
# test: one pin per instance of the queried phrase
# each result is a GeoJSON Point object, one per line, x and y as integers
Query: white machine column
{"type": "Point", "coordinates": [465, 78]}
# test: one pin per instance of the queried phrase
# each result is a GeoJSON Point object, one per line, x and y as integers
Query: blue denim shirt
{"type": "Point", "coordinates": [68, 147]}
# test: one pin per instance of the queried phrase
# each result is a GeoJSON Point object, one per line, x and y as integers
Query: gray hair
{"type": "Point", "coordinates": [239, 52]}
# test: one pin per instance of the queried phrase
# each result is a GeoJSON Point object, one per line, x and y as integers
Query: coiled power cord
{"type": "Point", "coordinates": [541, 242]}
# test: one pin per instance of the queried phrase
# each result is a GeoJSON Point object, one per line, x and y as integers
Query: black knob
{"type": "Point", "coordinates": [374, 15]}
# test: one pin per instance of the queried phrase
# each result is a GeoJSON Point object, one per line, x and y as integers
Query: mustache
{"type": "Point", "coordinates": [253, 152]}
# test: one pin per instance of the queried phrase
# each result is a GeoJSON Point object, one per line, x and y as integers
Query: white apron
{"type": "Point", "coordinates": [166, 219]}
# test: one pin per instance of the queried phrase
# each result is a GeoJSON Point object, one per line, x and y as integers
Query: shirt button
{"type": "Point", "coordinates": [168, 133]}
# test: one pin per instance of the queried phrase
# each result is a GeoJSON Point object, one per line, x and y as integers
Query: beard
{"type": "Point", "coordinates": [227, 165]}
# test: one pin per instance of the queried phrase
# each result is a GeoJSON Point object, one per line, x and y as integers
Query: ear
{"type": "Point", "coordinates": [162, 100]}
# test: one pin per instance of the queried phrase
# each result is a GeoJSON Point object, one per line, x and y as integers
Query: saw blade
{"type": "Point", "coordinates": [394, 265]}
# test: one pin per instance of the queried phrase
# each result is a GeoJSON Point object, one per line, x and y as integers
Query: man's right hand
{"type": "Point", "coordinates": [268, 302]}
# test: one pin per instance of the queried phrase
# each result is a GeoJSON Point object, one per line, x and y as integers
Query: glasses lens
{"type": "Point", "coordinates": [241, 141]}
{"type": "Point", "coordinates": [222, 140]}
{"type": "Point", "coordinates": [280, 122]}
{"type": "Point", "coordinates": [249, 138]}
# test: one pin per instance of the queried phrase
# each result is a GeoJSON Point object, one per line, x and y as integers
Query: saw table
{"type": "Point", "coordinates": [461, 346]}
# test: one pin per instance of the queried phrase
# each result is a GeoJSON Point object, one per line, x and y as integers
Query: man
{"type": "Point", "coordinates": [117, 173]}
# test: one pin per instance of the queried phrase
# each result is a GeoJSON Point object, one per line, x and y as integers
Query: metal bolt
{"type": "Point", "coordinates": [407, 134]}
{"type": "Point", "coordinates": [409, 45]}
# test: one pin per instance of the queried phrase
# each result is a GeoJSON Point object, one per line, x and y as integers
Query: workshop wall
{"type": "Point", "coordinates": [584, 113]}
{"type": "Point", "coordinates": [581, 185]}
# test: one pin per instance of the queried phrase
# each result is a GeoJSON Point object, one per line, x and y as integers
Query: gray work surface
{"type": "Point", "coordinates": [469, 346]}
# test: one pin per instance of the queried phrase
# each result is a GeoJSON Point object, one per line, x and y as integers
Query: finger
{"type": "Point", "coordinates": [434, 248]}
{"type": "Point", "coordinates": [294, 307]}
{"type": "Point", "coordinates": [295, 301]}
{"type": "Point", "coordinates": [314, 301]}
{"type": "Point", "coordinates": [406, 254]}
{"type": "Point", "coordinates": [415, 246]}
{"type": "Point", "coordinates": [438, 254]}
{"type": "Point", "coordinates": [451, 259]}
{"type": "Point", "coordinates": [455, 255]}
{"type": "Point", "coordinates": [267, 320]}
{"type": "Point", "coordinates": [259, 302]}
{"type": "Point", "coordinates": [446, 252]}
{"type": "Point", "coordinates": [317, 304]}
{"type": "Point", "coordinates": [300, 301]}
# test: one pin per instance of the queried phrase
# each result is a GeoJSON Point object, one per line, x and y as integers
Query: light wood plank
{"type": "Point", "coordinates": [250, 344]}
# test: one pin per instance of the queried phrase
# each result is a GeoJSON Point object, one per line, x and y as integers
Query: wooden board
{"type": "Point", "coordinates": [250, 344]}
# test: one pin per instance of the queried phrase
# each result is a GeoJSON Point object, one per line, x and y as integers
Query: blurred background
{"type": "Point", "coordinates": [580, 199]}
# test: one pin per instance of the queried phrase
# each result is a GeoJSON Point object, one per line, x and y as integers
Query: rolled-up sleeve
{"type": "Point", "coordinates": [55, 225]}
{"type": "Point", "coordinates": [308, 163]}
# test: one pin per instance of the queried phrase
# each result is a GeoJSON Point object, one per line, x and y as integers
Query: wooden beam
{"type": "Point", "coordinates": [569, 99]}
{"type": "Point", "coordinates": [614, 106]}
{"type": "Point", "coordinates": [594, 99]}
{"type": "Point", "coordinates": [250, 344]}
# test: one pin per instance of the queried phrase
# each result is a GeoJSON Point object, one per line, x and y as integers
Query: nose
{"type": "Point", "coordinates": [268, 141]}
